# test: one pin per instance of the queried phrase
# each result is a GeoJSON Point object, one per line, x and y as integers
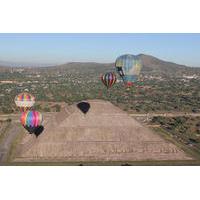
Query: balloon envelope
{"type": "Point", "coordinates": [128, 67]}
{"type": "Point", "coordinates": [24, 101]}
{"type": "Point", "coordinates": [31, 119]}
{"type": "Point", "coordinates": [109, 79]}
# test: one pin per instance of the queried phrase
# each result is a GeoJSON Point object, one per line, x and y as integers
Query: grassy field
{"type": "Point", "coordinates": [185, 148]}
{"type": "Point", "coordinates": [182, 131]}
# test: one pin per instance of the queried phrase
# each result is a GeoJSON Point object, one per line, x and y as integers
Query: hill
{"type": "Point", "coordinates": [150, 65]}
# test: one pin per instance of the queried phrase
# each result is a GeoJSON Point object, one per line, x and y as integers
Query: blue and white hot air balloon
{"type": "Point", "coordinates": [128, 67]}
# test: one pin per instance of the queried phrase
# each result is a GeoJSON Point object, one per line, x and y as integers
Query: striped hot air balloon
{"type": "Point", "coordinates": [109, 79]}
{"type": "Point", "coordinates": [24, 101]}
{"type": "Point", "coordinates": [31, 120]}
{"type": "Point", "coordinates": [128, 67]}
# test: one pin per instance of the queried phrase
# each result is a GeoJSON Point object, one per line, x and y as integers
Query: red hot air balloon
{"type": "Point", "coordinates": [109, 79]}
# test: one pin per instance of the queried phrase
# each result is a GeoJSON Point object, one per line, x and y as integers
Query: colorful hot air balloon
{"type": "Point", "coordinates": [24, 101]}
{"type": "Point", "coordinates": [109, 79]}
{"type": "Point", "coordinates": [128, 67]}
{"type": "Point", "coordinates": [31, 120]}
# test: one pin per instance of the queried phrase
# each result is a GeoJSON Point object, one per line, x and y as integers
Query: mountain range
{"type": "Point", "coordinates": [150, 64]}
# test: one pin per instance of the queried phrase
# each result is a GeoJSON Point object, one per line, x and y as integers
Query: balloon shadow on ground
{"type": "Point", "coordinates": [38, 130]}
{"type": "Point", "coordinates": [83, 106]}
{"type": "Point", "coordinates": [35, 130]}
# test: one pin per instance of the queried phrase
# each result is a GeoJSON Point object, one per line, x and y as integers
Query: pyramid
{"type": "Point", "coordinates": [104, 133]}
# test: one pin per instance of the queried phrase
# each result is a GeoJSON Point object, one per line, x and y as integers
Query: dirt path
{"type": "Point", "coordinates": [7, 141]}
{"type": "Point", "coordinates": [16, 117]}
{"type": "Point", "coordinates": [165, 114]}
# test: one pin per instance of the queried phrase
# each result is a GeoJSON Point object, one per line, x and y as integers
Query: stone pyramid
{"type": "Point", "coordinates": [104, 133]}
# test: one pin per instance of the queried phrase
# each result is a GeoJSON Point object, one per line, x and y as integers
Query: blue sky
{"type": "Point", "coordinates": [62, 48]}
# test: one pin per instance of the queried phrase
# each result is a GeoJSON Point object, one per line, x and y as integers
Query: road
{"type": "Point", "coordinates": [165, 114]}
{"type": "Point", "coordinates": [173, 114]}
{"type": "Point", "coordinates": [11, 134]}
{"type": "Point", "coordinates": [7, 141]}
{"type": "Point", "coordinates": [16, 117]}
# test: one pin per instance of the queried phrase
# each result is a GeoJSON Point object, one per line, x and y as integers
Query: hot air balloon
{"type": "Point", "coordinates": [24, 101]}
{"type": "Point", "coordinates": [108, 79]}
{"type": "Point", "coordinates": [31, 120]}
{"type": "Point", "coordinates": [128, 67]}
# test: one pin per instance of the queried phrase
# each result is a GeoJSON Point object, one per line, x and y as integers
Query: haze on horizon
{"type": "Point", "coordinates": [52, 49]}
